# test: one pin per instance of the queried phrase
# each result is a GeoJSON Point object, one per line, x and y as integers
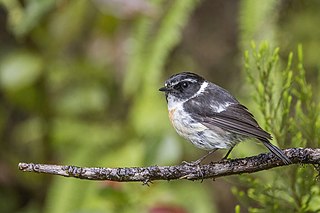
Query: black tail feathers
{"type": "Point", "coordinates": [276, 151]}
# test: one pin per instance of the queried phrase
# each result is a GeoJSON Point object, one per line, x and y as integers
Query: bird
{"type": "Point", "coordinates": [211, 118]}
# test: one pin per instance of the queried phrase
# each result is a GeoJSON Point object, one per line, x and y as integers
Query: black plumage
{"type": "Point", "coordinates": [216, 109]}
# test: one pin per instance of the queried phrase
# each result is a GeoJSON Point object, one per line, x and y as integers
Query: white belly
{"type": "Point", "coordinates": [198, 134]}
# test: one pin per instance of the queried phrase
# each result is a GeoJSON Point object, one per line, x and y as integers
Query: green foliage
{"type": "Point", "coordinates": [23, 20]}
{"type": "Point", "coordinates": [79, 81]}
{"type": "Point", "coordinates": [252, 15]}
{"type": "Point", "coordinates": [153, 40]}
{"type": "Point", "coordinates": [71, 105]}
{"type": "Point", "coordinates": [287, 105]}
{"type": "Point", "coordinates": [237, 209]}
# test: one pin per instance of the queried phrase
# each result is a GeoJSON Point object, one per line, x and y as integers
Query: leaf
{"type": "Point", "coordinates": [20, 70]}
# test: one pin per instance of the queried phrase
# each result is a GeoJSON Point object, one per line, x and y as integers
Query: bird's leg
{"type": "Point", "coordinates": [197, 162]}
{"type": "Point", "coordinates": [226, 156]}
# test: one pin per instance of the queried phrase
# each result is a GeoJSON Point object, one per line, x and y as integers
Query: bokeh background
{"type": "Point", "coordinates": [79, 85]}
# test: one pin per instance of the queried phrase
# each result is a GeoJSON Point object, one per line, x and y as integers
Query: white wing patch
{"type": "Point", "coordinates": [220, 107]}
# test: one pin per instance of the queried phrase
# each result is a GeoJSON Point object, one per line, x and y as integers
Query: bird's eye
{"type": "Point", "coordinates": [181, 85]}
{"type": "Point", "coordinates": [184, 85]}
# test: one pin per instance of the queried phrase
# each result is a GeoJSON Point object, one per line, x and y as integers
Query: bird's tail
{"type": "Point", "coordinates": [276, 151]}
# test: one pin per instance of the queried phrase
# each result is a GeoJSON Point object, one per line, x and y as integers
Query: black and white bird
{"type": "Point", "coordinates": [210, 117]}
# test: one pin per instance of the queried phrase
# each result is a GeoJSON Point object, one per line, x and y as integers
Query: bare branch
{"type": "Point", "coordinates": [148, 174]}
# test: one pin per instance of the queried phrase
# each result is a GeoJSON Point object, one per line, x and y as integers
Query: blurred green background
{"type": "Point", "coordinates": [79, 85]}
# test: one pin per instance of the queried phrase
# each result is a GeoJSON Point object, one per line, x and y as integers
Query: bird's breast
{"type": "Point", "coordinates": [171, 114]}
{"type": "Point", "coordinates": [184, 124]}
{"type": "Point", "coordinates": [197, 133]}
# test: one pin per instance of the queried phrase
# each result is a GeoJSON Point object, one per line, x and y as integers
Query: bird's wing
{"type": "Point", "coordinates": [232, 117]}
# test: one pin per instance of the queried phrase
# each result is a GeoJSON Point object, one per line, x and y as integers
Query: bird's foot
{"type": "Point", "coordinates": [195, 164]}
{"type": "Point", "coordinates": [192, 163]}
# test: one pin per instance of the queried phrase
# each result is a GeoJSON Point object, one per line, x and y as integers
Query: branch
{"type": "Point", "coordinates": [211, 170]}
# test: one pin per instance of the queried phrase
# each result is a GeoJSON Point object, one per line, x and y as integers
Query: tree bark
{"type": "Point", "coordinates": [212, 170]}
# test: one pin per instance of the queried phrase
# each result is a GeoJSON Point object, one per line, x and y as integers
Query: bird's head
{"type": "Point", "coordinates": [182, 86]}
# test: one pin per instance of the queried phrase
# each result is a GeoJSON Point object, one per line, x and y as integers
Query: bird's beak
{"type": "Point", "coordinates": [164, 89]}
